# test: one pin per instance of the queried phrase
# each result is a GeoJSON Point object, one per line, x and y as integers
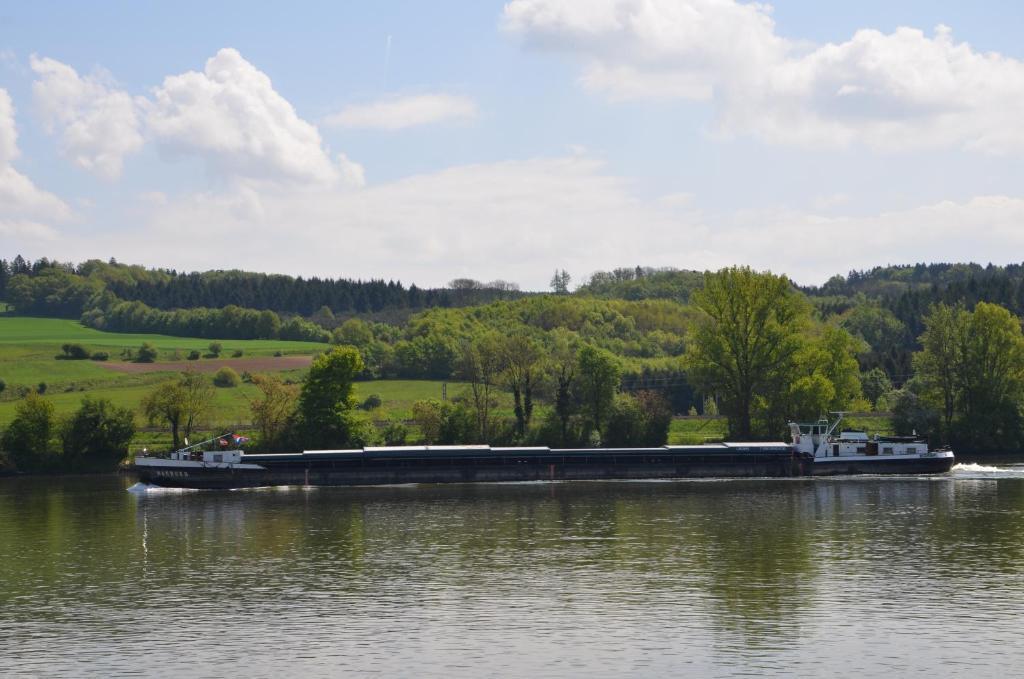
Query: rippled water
{"type": "Point", "coordinates": [811, 577]}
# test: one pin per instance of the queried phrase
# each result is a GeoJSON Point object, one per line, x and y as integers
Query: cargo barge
{"type": "Point", "coordinates": [814, 451]}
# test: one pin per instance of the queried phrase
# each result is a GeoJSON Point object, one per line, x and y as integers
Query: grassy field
{"type": "Point", "coordinates": [28, 347]}
{"type": "Point", "coordinates": [696, 430]}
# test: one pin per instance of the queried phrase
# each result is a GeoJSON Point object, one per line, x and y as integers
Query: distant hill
{"type": "Point", "coordinates": [49, 287]}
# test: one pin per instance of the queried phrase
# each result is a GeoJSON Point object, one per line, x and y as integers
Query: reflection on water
{"type": "Point", "coordinates": [785, 577]}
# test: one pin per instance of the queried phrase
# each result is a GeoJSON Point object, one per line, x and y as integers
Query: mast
{"type": "Point", "coordinates": [835, 424]}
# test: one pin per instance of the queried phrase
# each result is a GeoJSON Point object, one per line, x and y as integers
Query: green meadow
{"type": "Point", "coordinates": [28, 347]}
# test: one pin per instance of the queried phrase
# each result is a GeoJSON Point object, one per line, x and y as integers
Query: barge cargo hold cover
{"type": "Point", "coordinates": [454, 464]}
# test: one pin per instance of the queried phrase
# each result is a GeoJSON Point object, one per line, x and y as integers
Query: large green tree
{"type": "Point", "coordinates": [939, 363]}
{"type": "Point", "coordinates": [598, 382]}
{"type": "Point", "coordinates": [745, 344]}
{"type": "Point", "coordinates": [521, 358]}
{"type": "Point", "coordinates": [326, 406]}
{"type": "Point", "coordinates": [972, 366]}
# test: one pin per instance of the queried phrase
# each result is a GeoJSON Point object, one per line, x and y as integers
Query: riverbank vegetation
{"type": "Point", "coordinates": [609, 364]}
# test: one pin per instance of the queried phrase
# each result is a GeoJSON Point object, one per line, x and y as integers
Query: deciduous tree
{"type": "Point", "coordinates": [744, 345]}
{"type": "Point", "coordinates": [939, 361]}
{"type": "Point", "coordinates": [179, 404]}
{"type": "Point", "coordinates": [599, 375]}
{"type": "Point", "coordinates": [480, 364]}
{"type": "Point", "coordinates": [521, 359]}
{"type": "Point", "coordinates": [273, 412]}
{"type": "Point", "coordinates": [326, 407]}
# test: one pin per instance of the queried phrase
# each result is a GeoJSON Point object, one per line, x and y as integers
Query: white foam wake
{"type": "Point", "coordinates": [975, 468]}
{"type": "Point", "coordinates": [149, 489]}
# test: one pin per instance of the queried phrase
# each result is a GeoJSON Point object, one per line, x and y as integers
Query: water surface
{"type": "Point", "coordinates": [810, 577]}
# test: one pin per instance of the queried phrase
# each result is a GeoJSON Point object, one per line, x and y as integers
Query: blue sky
{"type": "Point", "coordinates": [503, 140]}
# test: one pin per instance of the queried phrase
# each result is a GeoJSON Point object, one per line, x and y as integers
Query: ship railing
{"type": "Point", "coordinates": [195, 450]}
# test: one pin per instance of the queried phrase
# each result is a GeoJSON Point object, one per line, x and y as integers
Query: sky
{"type": "Point", "coordinates": [424, 142]}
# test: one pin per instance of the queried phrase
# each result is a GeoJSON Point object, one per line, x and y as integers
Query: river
{"type": "Point", "coordinates": [801, 577]}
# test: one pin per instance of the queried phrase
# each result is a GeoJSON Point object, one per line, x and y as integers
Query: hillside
{"type": "Point", "coordinates": [63, 289]}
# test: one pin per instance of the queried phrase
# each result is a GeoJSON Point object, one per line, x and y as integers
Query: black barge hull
{"type": "Point", "coordinates": [476, 464]}
{"type": "Point", "coordinates": [384, 466]}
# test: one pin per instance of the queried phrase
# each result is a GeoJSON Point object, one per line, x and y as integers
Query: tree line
{"type": "Point", "coordinates": [93, 438]}
{"type": "Point", "coordinates": [167, 289]}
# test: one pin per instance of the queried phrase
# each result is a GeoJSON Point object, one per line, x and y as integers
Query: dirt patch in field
{"type": "Point", "coordinates": [261, 364]}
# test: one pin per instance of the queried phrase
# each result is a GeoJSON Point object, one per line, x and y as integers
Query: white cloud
{"type": "Point", "coordinates": [8, 130]}
{"type": "Point", "coordinates": [890, 91]}
{"type": "Point", "coordinates": [516, 220]}
{"type": "Point", "coordinates": [231, 116]}
{"type": "Point", "coordinates": [25, 209]}
{"type": "Point", "coordinates": [397, 113]}
{"type": "Point", "coordinates": [811, 247]}
{"type": "Point", "coordinates": [519, 220]}
{"type": "Point", "coordinates": [98, 123]}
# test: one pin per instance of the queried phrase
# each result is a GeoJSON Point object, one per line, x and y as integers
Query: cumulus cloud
{"type": "Point", "coordinates": [25, 209]}
{"type": "Point", "coordinates": [397, 113]}
{"type": "Point", "coordinates": [97, 123]}
{"type": "Point", "coordinates": [231, 116]}
{"type": "Point", "coordinates": [898, 90]}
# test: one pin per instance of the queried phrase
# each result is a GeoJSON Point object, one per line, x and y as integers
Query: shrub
{"type": "Point", "coordinates": [27, 438]}
{"type": "Point", "coordinates": [395, 433]}
{"type": "Point", "coordinates": [444, 423]}
{"type": "Point", "coordinates": [147, 353]}
{"type": "Point", "coordinates": [372, 402]}
{"type": "Point", "coordinates": [640, 420]}
{"type": "Point", "coordinates": [194, 355]}
{"type": "Point", "coordinates": [278, 354]}
{"type": "Point", "coordinates": [216, 348]}
{"type": "Point", "coordinates": [96, 437]}
{"type": "Point", "coordinates": [237, 353]}
{"type": "Point", "coordinates": [99, 356]}
{"type": "Point", "coordinates": [226, 377]}
{"type": "Point", "coordinates": [41, 388]}
{"type": "Point", "coordinates": [3, 385]}
{"type": "Point", "coordinates": [73, 352]}
{"type": "Point", "coordinates": [247, 376]}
